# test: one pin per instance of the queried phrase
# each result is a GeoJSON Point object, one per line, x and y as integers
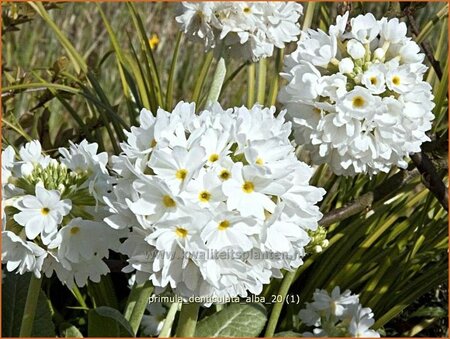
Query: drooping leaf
{"type": "Point", "coordinates": [105, 321]}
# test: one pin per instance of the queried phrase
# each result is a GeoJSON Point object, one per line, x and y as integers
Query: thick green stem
{"type": "Point", "coordinates": [262, 71]}
{"type": "Point", "coordinates": [188, 320]}
{"type": "Point", "coordinates": [251, 85]}
{"type": "Point", "coordinates": [137, 303]}
{"type": "Point", "coordinates": [34, 288]}
{"type": "Point", "coordinates": [168, 322]}
{"type": "Point", "coordinates": [276, 310]}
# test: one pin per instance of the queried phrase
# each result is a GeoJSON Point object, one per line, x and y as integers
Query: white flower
{"type": "Point", "coordinates": [248, 191]}
{"type": "Point", "coordinates": [31, 155]}
{"type": "Point", "coordinates": [369, 107]}
{"type": "Point", "coordinates": [81, 240]}
{"type": "Point", "coordinates": [374, 78]}
{"type": "Point", "coordinates": [178, 165]}
{"type": "Point", "coordinates": [243, 29]}
{"type": "Point", "coordinates": [152, 324]}
{"type": "Point", "coordinates": [362, 320]}
{"type": "Point", "coordinates": [346, 65]}
{"type": "Point", "coordinates": [337, 315]}
{"type": "Point", "coordinates": [365, 28]}
{"type": "Point", "coordinates": [25, 256]}
{"type": "Point", "coordinates": [8, 158]}
{"type": "Point", "coordinates": [355, 49]}
{"type": "Point", "coordinates": [229, 229]}
{"type": "Point", "coordinates": [42, 213]}
{"type": "Point", "coordinates": [317, 47]}
{"type": "Point", "coordinates": [196, 22]}
{"type": "Point", "coordinates": [392, 31]}
{"type": "Point", "coordinates": [334, 304]}
{"type": "Point", "coordinates": [201, 198]}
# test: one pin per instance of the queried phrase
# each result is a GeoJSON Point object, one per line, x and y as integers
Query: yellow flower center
{"type": "Point", "coordinates": [168, 201]}
{"type": "Point", "coordinates": [181, 232]}
{"type": "Point", "coordinates": [204, 196]}
{"type": "Point", "coordinates": [358, 101]}
{"type": "Point", "coordinates": [153, 143]}
{"type": "Point", "coordinates": [259, 161]}
{"type": "Point", "coordinates": [373, 80]}
{"type": "Point", "coordinates": [45, 211]}
{"type": "Point", "coordinates": [247, 9]}
{"type": "Point", "coordinates": [224, 174]}
{"type": "Point", "coordinates": [74, 230]}
{"type": "Point", "coordinates": [316, 110]}
{"type": "Point", "coordinates": [396, 80]}
{"type": "Point", "coordinates": [248, 187]}
{"type": "Point", "coordinates": [223, 225]}
{"type": "Point", "coordinates": [213, 157]}
{"type": "Point", "coordinates": [181, 174]}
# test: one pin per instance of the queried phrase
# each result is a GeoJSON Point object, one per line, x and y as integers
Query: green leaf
{"type": "Point", "coordinates": [289, 334]}
{"type": "Point", "coordinates": [431, 312]}
{"type": "Point", "coordinates": [14, 291]}
{"type": "Point", "coordinates": [105, 321]}
{"type": "Point", "coordinates": [236, 320]}
{"type": "Point", "coordinates": [70, 331]}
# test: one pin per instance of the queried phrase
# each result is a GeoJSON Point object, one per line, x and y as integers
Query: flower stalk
{"type": "Point", "coordinates": [262, 72]}
{"type": "Point", "coordinates": [188, 320]}
{"type": "Point", "coordinates": [34, 289]}
{"type": "Point", "coordinates": [278, 306]}
{"type": "Point", "coordinates": [168, 322]}
{"type": "Point", "coordinates": [137, 303]}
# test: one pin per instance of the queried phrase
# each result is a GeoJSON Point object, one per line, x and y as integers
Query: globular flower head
{"type": "Point", "coordinates": [212, 200]}
{"type": "Point", "coordinates": [356, 97]}
{"type": "Point", "coordinates": [52, 212]}
{"type": "Point", "coordinates": [249, 30]}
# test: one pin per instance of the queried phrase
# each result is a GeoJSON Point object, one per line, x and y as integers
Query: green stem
{"type": "Point", "coordinates": [262, 71]}
{"type": "Point", "coordinates": [201, 77]}
{"type": "Point", "coordinates": [307, 19]}
{"type": "Point", "coordinates": [77, 294]}
{"type": "Point", "coordinates": [276, 310]}
{"type": "Point", "coordinates": [137, 303]}
{"type": "Point", "coordinates": [173, 66]}
{"type": "Point", "coordinates": [34, 289]}
{"type": "Point", "coordinates": [251, 85]}
{"type": "Point", "coordinates": [273, 91]}
{"type": "Point", "coordinates": [168, 322]}
{"type": "Point", "coordinates": [188, 320]}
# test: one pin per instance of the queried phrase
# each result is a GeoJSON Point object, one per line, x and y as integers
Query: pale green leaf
{"type": "Point", "coordinates": [236, 320]}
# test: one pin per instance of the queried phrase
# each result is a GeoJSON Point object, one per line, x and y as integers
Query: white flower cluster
{"type": "Point", "coordinates": [52, 212]}
{"type": "Point", "coordinates": [249, 30]}
{"type": "Point", "coordinates": [357, 98]}
{"type": "Point", "coordinates": [337, 315]}
{"type": "Point", "coordinates": [217, 202]}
